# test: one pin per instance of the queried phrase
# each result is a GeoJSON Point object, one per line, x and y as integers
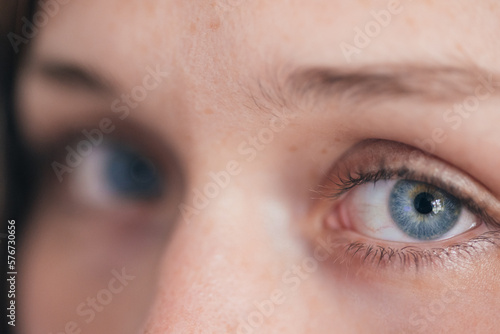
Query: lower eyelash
{"type": "Point", "coordinates": [416, 258]}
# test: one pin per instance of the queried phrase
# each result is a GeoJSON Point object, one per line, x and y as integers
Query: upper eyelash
{"type": "Point", "coordinates": [352, 180]}
{"type": "Point", "coordinates": [346, 183]}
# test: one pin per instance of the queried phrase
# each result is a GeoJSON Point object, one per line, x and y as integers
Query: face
{"type": "Point", "coordinates": [256, 166]}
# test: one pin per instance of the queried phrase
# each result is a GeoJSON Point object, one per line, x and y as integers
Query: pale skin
{"type": "Point", "coordinates": [210, 270]}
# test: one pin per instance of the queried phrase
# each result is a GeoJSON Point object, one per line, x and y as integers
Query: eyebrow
{"type": "Point", "coordinates": [370, 84]}
{"type": "Point", "coordinates": [68, 74]}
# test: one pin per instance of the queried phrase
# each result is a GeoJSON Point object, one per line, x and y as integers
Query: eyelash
{"type": "Point", "coordinates": [417, 258]}
{"type": "Point", "coordinates": [412, 256]}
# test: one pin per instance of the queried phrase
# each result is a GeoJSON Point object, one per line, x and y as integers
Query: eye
{"type": "Point", "coordinates": [405, 211]}
{"type": "Point", "coordinates": [394, 206]}
{"type": "Point", "coordinates": [114, 173]}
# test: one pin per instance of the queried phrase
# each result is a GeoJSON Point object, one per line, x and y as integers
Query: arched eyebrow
{"type": "Point", "coordinates": [374, 84]}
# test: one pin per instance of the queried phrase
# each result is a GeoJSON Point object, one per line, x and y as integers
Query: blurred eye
{"type": "Point", "coordinates": [115, 173]}
{"type": "Point", "coordinates": [405, 210]}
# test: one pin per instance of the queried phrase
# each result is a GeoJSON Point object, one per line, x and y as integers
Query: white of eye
{"type": "Point", "coordinates": [88, 183]}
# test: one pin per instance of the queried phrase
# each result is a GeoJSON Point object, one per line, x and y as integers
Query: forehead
{"type": "Point", "coordinates": [231, 37]}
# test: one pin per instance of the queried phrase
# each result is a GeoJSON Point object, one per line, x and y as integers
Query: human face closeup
{"type": "Point", "coordinates": [263, 167]}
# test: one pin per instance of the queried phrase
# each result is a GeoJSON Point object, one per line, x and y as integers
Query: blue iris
{"type": "Point", "coordinates": [131, 175]}
{"type": "Point", "coordinates": [423, 211]}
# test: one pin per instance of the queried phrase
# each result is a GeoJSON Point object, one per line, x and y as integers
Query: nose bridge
{"type": "Point", "coordinates": [218, 262]}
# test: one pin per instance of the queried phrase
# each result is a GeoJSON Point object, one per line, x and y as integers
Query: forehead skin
{"type": "Point", "coordinates": [216, 53]}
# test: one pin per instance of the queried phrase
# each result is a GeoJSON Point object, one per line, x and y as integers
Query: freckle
{"type": "Point", "coordinates": [293, 148]}
{"type": "Point", "coordinates": [459, 47]}
{"type": "Point", "coordinates": [214, 25]}
{"type": "Point", "coordinates": [324, 151]}
{"type": "Point", "coordinates": [208, 111]}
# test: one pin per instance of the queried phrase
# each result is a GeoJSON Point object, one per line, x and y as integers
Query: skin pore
{"type": "Point", "coordinates": [264, 95]}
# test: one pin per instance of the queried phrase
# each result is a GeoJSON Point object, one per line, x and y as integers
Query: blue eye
{"type": "Point", "coordinates": [423, 211]}
{"type": "Point", "coordinates": [131, 175]}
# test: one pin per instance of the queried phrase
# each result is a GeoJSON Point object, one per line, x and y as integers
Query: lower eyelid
{"type": "Point", "coordinates": [362, 254]}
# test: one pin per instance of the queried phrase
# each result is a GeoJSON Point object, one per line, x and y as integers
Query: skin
{"type": "Point", "coordinates": [209, 273]}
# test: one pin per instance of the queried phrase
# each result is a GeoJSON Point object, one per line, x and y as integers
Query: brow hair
{"type": "Point", "coordinates": [368, 84]}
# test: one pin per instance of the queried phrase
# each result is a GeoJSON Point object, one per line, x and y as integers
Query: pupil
{"type": "Point", "coordinates": [142, 170]}
{"type": "Point", "coordinates": [423, 203]}
{"type": "Point", "coordinates": [131, 175]}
